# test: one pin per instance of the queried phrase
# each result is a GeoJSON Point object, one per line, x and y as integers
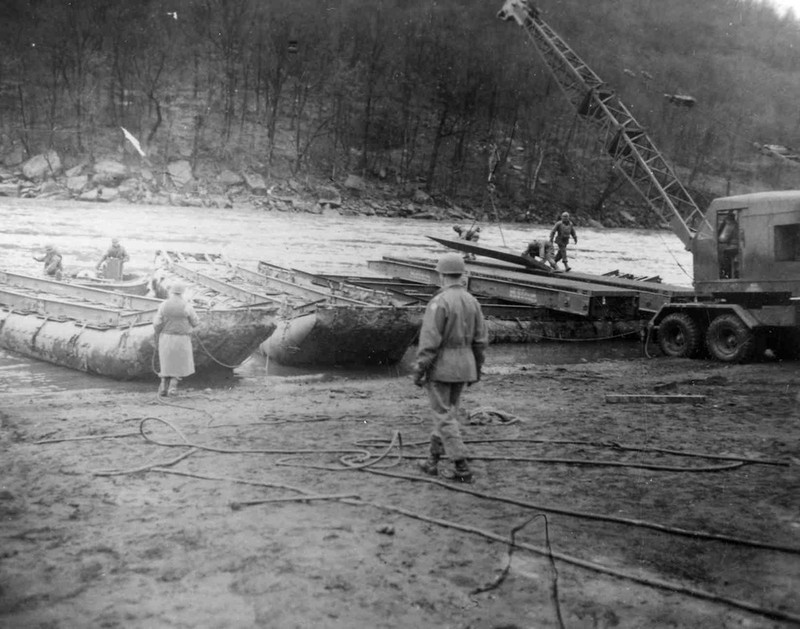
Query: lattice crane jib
{"type": "Point", "coordinates": [627, 143]}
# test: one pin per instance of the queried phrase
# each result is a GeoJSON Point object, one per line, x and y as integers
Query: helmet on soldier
{"type": "Point", "coordinates": [451, 264]}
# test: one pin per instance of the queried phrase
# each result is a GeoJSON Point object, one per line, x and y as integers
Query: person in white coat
{"type": "Point", "coordinates": [173, 325]}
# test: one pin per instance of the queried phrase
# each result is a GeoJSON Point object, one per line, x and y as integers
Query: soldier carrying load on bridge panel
{"type": "Point", "coordinates": [542, 249]}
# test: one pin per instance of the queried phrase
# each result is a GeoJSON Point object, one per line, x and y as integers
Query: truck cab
{"type": "Point", "coordinates": [750, 245]}
{"type": "Point", "coordinates": [747, 282]}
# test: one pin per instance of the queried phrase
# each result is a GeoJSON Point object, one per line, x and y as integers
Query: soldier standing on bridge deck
{"type": "Point", "coordinates": [452, 342]}
{"type": "Point", "coordinates": [561, 232]}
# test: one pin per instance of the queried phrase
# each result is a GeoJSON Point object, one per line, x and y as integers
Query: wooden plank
{"type": "Point", "coordinates": [620, 398]}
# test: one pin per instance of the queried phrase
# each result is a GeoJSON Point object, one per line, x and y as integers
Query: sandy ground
{"type": "Point", "coordinates": [169, 544]}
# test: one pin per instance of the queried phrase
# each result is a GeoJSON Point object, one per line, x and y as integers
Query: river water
{"type": "Point", "coordinates": [330, 244]}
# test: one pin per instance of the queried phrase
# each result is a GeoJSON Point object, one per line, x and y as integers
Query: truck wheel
{"type": "Point", "coordinates": [678, 335]}
{"type": "Point", "coordinates": [729, 340]}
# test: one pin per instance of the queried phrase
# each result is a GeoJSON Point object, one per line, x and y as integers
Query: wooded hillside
{"type": "Point", "coordinates": [437, 94]}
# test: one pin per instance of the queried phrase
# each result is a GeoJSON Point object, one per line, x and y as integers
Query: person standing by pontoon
{"type": "Point", "coordinates": [115, 251]}
{"type": "Point", "coordinates": [561, 233]}
{"type": "Point", "coordinates": [173, 325]}
{"type": "Point", "coordinates": [452, 342]}
{"type": "Point", "coordinates": [53, 263]}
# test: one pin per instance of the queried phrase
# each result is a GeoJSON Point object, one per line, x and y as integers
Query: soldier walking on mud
{"type": "Point", "coordinates": [452, 343]}
{"type": "Point", "coordinates": [561, 232]}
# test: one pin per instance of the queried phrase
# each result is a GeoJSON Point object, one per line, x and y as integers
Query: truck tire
{"type": "Point", "coordinates": [729, 340]}
{"type": "Point", "coordinates": [679, 335]}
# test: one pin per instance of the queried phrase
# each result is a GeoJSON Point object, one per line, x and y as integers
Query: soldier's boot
{"type": "Point", "coordinates": [162, 388]}
{"type": "Point", "coordinates": [173, 386]}
{"type": "Point", "coordinates": [461, 471]}
{"type": "Point", "coordinates": [431, 465]}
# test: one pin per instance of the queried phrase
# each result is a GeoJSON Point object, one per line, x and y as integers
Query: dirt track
{"type": "Point", "coordinates": [160, 548]}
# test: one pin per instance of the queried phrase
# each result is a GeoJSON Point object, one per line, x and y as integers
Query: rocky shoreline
{"type": "Point", "coordinates": [179, 183]}
{"type": "Point", "coordinates": [205, 185]}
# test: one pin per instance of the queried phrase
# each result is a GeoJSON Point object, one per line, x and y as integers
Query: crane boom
{"type": "Point", "coordinates": [631, 149]}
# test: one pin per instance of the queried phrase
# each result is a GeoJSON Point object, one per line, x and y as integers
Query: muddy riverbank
{"type": "Point", "coordinates": [103, 526]}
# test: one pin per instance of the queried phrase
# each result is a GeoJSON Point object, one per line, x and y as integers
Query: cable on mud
{"type": "Point", "coordinates": [365, 461]}
{"type": "Point", "coordinates": [568, 559]}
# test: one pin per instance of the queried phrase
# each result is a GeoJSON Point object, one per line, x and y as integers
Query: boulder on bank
{"type": "Point", "coordinates": [43, 166]}
{"type": "Point", "coordinates": [355, 183]}
{"type": "Point", "coordinates": [255, 183]}
{"type": "Point", "coordinates": [328, 196]}
{"type": "Point", "coordinates": [108, 172]}
{"type": "Point", "coordinates": [180, 173]}
{"type": "Point", "coordinates": [77, 183]}
{"type": "Point", "coordinates": [9, 190]}
{"type": "Point", "coordinates": [14, 157]}
{"type": "Point", "coordinates": [421, 197]}
{"type": "Point", "coordinates": [229, 178]}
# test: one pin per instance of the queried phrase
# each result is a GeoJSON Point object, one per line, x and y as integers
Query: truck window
{"type": "Point", "coordinates": [787, 243]}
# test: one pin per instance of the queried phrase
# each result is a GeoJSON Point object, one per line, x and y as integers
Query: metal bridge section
{"type": "Point", "coordinates": [631, 149]}
{"type": "Point", "coordinates": [555, 293]}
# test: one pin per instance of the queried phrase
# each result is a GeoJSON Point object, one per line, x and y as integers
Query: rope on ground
{"type": "Point", "coordinates": [368, 467]}
{"type": "Point", "coordinates": [588, 565]}
{"type": "Point", "coordinates": [485, 415]}
{"type": "Point", "coordinates": [568, 559]}
{"type": "Point", "coordinates": [236, 506]}
{"type": "Point", "coordinates": [357, 461]}
{"type": "Point", "coordinates": [600, 463]}
{"type": "Point", "coordinates": [614, 445]}
{"type": "Point", "coordinates": [366, 461]}
{"type": "Point", "coordinates": [186, 443]}
{"type": "Point", "coordinates": [207, 353]}
{"type": "Point", "coordinates": [594, 516]}
{"type": "Point", "coordinates": [553, 570]}
{"type": "Point", "coordinates": [145, 468]}
{"type": "Point", "coordinates": [86, 438]}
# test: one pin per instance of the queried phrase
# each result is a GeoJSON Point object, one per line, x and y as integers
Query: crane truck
{"type": "Point", "coordinates": [745, 248]}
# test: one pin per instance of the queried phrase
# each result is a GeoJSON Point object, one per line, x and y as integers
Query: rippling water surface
{"type": "Point", "coordinates": [82, 232]}
{"type": "Point", "coordinates": [332, 244]}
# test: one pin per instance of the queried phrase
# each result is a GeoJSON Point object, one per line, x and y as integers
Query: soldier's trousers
{"type": "Point", "coordinates": [445, 398]}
